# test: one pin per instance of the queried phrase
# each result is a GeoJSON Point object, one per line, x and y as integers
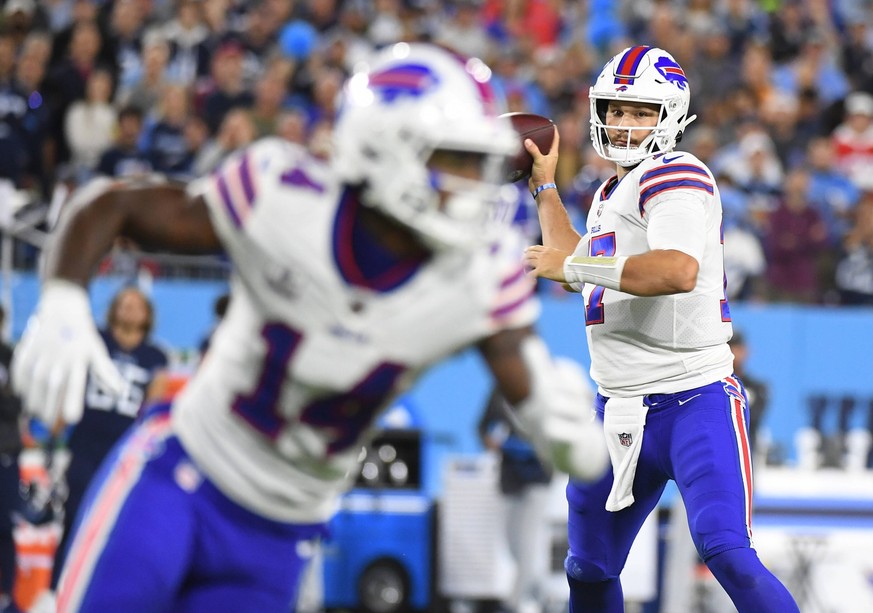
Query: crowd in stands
{"type": "Point", "coordinates": [783, 91]}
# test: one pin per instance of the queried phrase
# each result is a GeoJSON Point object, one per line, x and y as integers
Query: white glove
{"type": "Point", "coordinates": [51, 362]}
{"type": "Point", "coordinates": [559, 416]}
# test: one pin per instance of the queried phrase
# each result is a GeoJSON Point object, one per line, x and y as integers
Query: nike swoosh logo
{"type": "Point", "coordinates": [681, 402]}
{"type": "Point", "coordinates": [667, 160]}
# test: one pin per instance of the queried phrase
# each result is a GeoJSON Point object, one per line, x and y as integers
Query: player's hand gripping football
{"type": "Point", "coordinates": [58, 348]}
{"type": "Point", "coordinates": [545, 163]}
{"type": "Point", "coordinates": [558, 415]}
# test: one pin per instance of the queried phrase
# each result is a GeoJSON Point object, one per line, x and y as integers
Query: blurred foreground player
{"type": "Point", "coordinates": [650, 268]}
{"type": "Point", "coordinates": [351, 278]}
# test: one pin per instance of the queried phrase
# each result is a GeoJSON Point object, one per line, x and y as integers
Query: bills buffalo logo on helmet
{"type": "Point", "coordinates": [671, 71]}
{"type": "Point", "coordinates": [403, 80]}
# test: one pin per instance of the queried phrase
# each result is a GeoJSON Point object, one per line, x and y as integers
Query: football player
{"type": "Point", "coordinates": [650, 270]}
{"type": "Point", "coordinates": [351, 278]}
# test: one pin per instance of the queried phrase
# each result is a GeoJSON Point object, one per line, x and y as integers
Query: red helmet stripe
{"type": "Point", "coordinates": [626, 71]}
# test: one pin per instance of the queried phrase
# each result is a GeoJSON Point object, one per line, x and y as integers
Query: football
{"type": "Point", "coordinates": [540, 130]}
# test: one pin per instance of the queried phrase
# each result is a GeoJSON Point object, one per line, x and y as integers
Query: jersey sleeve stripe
{"type": "Point", "coordinates": [512, 278]}
{"type": "Point", "coordinates": [245, 174]}
{"type": "Point", "coordinates": [668, 170]}
{"type": "Point", "coordinates": [503, 311]}
{"type": "Point", "coordinates": [665, 186]}
{"type": "Point", "coordinates": [226, 200]}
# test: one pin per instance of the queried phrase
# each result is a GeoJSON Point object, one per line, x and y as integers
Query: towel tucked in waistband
{"type": "Point", "coordinates": [624, 420]}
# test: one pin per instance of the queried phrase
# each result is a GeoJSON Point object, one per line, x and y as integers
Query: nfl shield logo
{"type": "Point", "coordinates": [625, 439]}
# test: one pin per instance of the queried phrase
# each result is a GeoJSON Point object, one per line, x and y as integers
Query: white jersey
{"type": "Point", "coordinates": [662, 344]}
{"type": "Point", "coordinates": [311, 348]}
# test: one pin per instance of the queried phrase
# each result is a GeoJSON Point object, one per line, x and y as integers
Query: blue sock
{"type": "Point", "coordinates": [596, 597]}
{"type": "Point", "coordinates": [752, 588]}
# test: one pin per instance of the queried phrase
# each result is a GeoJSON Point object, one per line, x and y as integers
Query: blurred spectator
{"type": "Point", "coordinates": [386, 26]}
{"type": "Point", "coordinates": [744, 263]}
{"type": "Point", "coordinates": [463, 31]}
{"type": "Point", "coordinates": [579, 196]}
{"type": "Point", "coordinates": [236, 131]}
{"type": "Point", "coordinates": [746, 23]}
{"type": "Point", "coordinates": [854, 273]}
{"type": "Point", "coordinates": [714, 74]}
{"type": "Point", "coordinates": [856, 53]}
{"type": "Point", "coordinates": [29, 75]}
{"type": "Point", "coordinates": [197, 136]}
{"type": "Point", "coordinates": [853, 140]}
{"type": "Point", "coordinates": [187, 36]}
{"type": "Point", "coordinates": [124, 158]}
{"type": "Point", "coordinates": [81, 11]}
{"type": "Point", "coordinates": [291, 125]}
{"type": "Point", "coordinates": [166, 145]}
{"type": "Point", "coordinates": [90, 125]}
{"type": "Point", "coordinates": [217, 16]}
{"type": "Point", "coordinates": [10, 497]}
{"type": "Point", "coordinates": [124, 41]}
{"type": "Point", "coordinates": [259, 39]}
{"type": "Point", "coordinates": [322, 14]}
{"type": "Point", "coordinates": [66, 81]}
{"type": "Point", "coordinates": [21, 17]}
{"type": "Point", "coordinates": [757, 391]}
{"type": "Point", "coordinates": [129, 323]}
{"type": "Point", "coordinates": [574, 151]}
{"type": "Point", "coordinates": [347, 43]}
{"type": "Point", "coordinates": [13, 107]}
{"type": "Point", "coordinates": [815, 68]}
{"type": "Point", "coordinates": [756, 170]}
{"type": "Point", "coordinates": [325, 96]}
{"type": "Point", "coordinates": [269, 101]}
{"type": "Point", "coordinates": [603, 27]}
{"type": "Point", "coordinates": [756, 70]}
{"type": "Point", "coordinates": [144, 90]}
{"type": "Point", "coordinates": [779, 116]}
{"type": "Point", "coordinates": [549, 76]}
{"type": "Point", "coordinates": [227, 89]}
{"type": "Point", "coordinates": [532, 23]}
{"type": "Point", "coordinates": [796, 237]}
{"type": "Point", "coordinates": [663, 27]}
{"type": "Point", "coordinates": [810, 115]}
{"type": "Point", "coordinates": [832, 194]}
{"type": "Point", "coordinates": [790, 27]}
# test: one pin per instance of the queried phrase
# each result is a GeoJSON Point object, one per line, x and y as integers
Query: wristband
{"type": "Point", "coordinates": [602, 271]}
{"type": "Point", "coordinates": [541, 188]}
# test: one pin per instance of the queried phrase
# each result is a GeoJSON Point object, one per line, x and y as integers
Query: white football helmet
{"type": "Point", "coordinates": [412, 100]}
{"type": "Point", "coordinates": [641, 74]}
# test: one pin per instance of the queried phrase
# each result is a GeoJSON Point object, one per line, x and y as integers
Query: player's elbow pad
{"type": "Point", "coordinates": [558, 415]}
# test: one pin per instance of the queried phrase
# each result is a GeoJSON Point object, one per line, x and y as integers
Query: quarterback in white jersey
{"type": "Point", "coordinates": [674, 341]}
{"type": "Point", "coordinates": [351, 277]}
{"type": "Point", "coordinates": [650, 269]}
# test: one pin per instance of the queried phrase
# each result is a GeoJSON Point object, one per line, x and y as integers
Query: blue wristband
{"type": "Point", "coordinates": [542, 187]}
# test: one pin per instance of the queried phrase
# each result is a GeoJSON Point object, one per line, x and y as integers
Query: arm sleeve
{"type": "Point", "coordinates": [678, 221]}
